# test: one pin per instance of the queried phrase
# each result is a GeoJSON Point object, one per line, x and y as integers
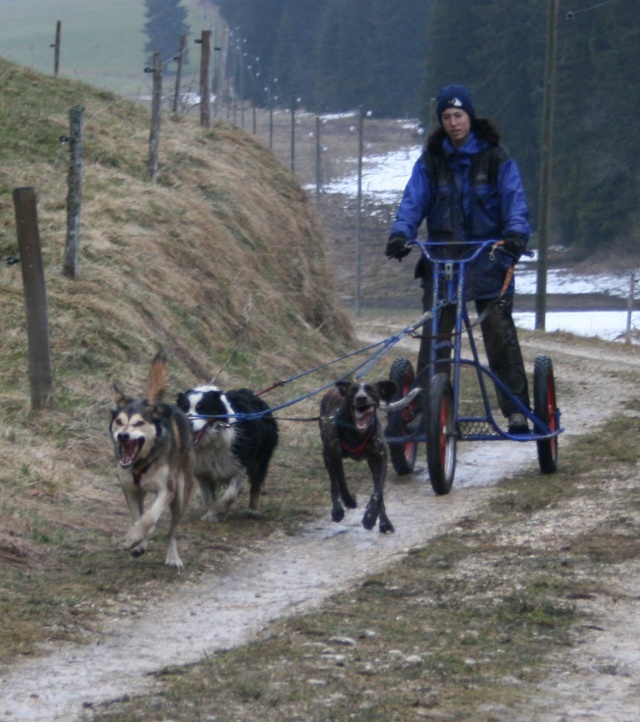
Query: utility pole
{"type": "Point", "coordinates": [359, 214]}
{"type": "Point", "coordinates": [546, 163]}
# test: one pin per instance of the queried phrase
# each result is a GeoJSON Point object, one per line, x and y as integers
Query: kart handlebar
{"type": "Point", "coordinates": [475, 248]}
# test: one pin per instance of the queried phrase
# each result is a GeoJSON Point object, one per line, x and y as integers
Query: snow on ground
{"type": "Point", "coordinates": [609, 325]}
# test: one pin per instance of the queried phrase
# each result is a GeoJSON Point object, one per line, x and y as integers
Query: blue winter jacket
{"type": "Point", "coordinates": [465, 202]}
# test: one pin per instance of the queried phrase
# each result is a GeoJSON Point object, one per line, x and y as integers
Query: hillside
{"type": "Point", "coordinates": [221, 262]}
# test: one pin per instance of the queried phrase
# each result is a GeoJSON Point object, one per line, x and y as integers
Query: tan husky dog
{"type": "Point", "coordinates": [153, 449]}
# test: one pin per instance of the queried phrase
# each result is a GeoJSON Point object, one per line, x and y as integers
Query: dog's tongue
{"type": "Point", "coordinates": [128, 453]}
{"type": "Point", "coordinates": [363, 417]}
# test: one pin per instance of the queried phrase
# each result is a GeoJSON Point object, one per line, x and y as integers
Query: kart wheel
{"type": "Point", "coordinates": [403, 455]}
{"type": "Point", "coordinates": [545, 409]}
{"type": "Point", "coordinates": [441, 434]}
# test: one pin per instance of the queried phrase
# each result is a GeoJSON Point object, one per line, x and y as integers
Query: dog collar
{"type": "Point", "coordinates": [139, 473]}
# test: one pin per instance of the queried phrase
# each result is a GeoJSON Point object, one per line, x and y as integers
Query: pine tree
{"type": "Point", "coordinates": [166, 22]}
{"type": "Point", "coordinates": [596, 176]}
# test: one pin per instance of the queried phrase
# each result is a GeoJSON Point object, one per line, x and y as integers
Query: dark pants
{"type": "Point", "coordinates": [500, 341]}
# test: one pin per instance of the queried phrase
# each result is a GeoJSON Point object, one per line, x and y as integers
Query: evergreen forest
{"type": "Point", "coordinates": [392, 57]}
{"type": "Point", "coordinates": [165, 22]}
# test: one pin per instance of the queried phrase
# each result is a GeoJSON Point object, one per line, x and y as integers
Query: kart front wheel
{"type": "Point", "coordinates": [441, 434]}
{"type": "Point", "coordinates": [546, 411]}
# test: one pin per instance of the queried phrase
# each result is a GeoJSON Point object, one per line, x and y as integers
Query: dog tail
{"type": "Point", "coordinates": [158, 378]}
{"type": "Point", "coordinates": [401, 403]}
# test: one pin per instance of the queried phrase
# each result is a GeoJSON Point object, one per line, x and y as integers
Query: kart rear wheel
{"type": "Point", "coordinates": [545, 409]}
{"type": "Point", "coordinates": [403, 455]}
{"type": "Point", "coordinates": [441, 434]}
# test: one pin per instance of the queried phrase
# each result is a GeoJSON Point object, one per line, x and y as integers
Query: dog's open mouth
{"type": "Point", "coordinates": [363, 416]}
{"type": "Point", "coordinates": [197, 435]}
{"type": "Point", "coordinates": [129, 451]}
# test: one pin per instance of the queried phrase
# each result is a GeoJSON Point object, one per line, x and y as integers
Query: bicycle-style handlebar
{"type": "Point", "coordinates": [475, 248]}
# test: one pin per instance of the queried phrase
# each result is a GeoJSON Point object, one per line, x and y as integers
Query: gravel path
{"type": "Point", "coordinates": [279, 581]}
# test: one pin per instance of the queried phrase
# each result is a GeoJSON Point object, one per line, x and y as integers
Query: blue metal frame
{"type": "Point", "coordinates": [449, 280]}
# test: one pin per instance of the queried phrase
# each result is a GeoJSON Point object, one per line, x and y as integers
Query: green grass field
{"type": "Point", "coordinates": [102, 43]}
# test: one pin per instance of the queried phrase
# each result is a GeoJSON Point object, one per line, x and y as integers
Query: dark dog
{"type": "Point", "coordinates": [153, 448]}
{"type": "Point", "coordinates": [349, 428]}
{"type": "Point", "coordinates": [229, 447]}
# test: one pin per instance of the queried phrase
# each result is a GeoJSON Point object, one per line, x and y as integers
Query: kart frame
{"type": "Point", "coordinates": [435, 417]}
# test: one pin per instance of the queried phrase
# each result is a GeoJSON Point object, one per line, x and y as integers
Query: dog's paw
{"type": "Point", "coordinates": [368, 521]}
{"type": "Point", "coordinates": [371, 513]}
{"type": "Point", "coordinates": [172, 558]}
{"type": "Point", "coordinates": [337, 513]}
{"type": "Point", "coordinates": [174, 562]}
{"type": "Point", "coordinates": [135, 540]}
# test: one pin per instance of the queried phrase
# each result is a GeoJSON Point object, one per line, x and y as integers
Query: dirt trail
{"type": "Point", "coordinates": [220, 612]}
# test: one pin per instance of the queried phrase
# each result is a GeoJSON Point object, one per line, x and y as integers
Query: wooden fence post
{"type": "Point", "coordinates": [56, 51]}
{"type": "Point", "coordinates": [156, 102]}
{"type": "Point", "coordinates": [221, 71]}
{"type": "Point", "coordinates": [35, 298]}
{"type": "Point", "coordinates": [205, 85]}
{"type": "Point", "coordinates": [270, 122]}
{"type": "Point", "coordinates": [318, 158]}
{"type": "Point", "coordinates": [293, 136]}
{"type": "Point", "coordinates": [176, 94]}
{"type": "Point", "coordinates": [630, 302]}
{"type": "Point", "coordinates": [74, 191]}
{"type": "Point", "coordinates": [433, 114]}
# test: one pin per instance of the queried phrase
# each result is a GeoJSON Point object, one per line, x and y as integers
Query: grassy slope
{"type": "Point", "coordinates": [221, 262]}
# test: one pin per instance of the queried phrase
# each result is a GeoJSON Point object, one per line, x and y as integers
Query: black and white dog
{"type": "Point", "coordinates": [234, 435]}
{"type": "Point", "coordinates": [350, 428]}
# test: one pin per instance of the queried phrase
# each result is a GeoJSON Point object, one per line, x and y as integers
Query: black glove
{"type": "Point", "coordinates": [514, 245]}
{"type": "Point", "coordinates": [398, 246]}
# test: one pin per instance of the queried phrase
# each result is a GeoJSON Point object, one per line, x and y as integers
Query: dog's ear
{"type": "Point", "coordinates": [182, 402]}
{"type": "Point", "coordinates": [158, 378]}
{"type": "Point", "coordinates": [343, 386]}
{"type": "Point", "coordinates": [119, 397]}
{"type": "Point", "coordinates": [386, 389]}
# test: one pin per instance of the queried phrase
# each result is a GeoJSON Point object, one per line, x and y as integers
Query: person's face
{"type": "Point", "coordinates": [457, 125]}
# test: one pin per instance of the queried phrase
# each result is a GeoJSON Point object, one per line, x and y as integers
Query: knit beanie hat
{"type": "Point", "coordinates": [454, 96]}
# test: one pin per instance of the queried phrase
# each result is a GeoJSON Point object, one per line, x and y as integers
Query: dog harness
{"type": "Point", "coordinates": [343, 428]}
